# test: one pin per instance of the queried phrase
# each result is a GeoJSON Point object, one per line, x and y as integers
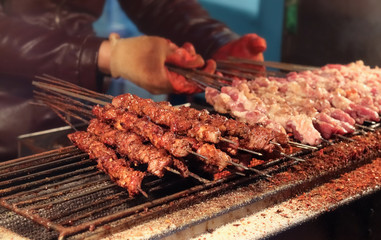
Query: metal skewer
{"type": "Point", "coordinates": [278, 65]}
{"type": "Point", "coordinates": [142, 192]}
{"type": "Point", "coordinates": [326, 141]}
{"type": "Point", "coordinates": [66, 92]}
{"type": "Point", "coordinates": [364, 127]}
{"type": "Point", "coordinates": [240, 173]}
{"type": "Point", "coordinates": [344, 138]}
{"type": "Point", "coordinates": [275, 143]}
{"type": "Point", "coordinates": [291, 157]}
{"type": "Point", "coordinates": [197, 177]}
{"type": "Point", "coordinates": [196, 73]}
{"type": "Point", "coordinates": [250, 151]}
{"type": "Point", "coordinates": [301, 145]}
{"type": "Point", "coordinates": [191, 174]}
{"type": "Point", "coordinates": [197, 154]}
{"type": "Point", "coordinates": [227, 140]}
{"type": "Point", "coordinates": [239, 148]}
{"type": "Point", "coordinates": [370, 122]}
{"type": "Point", "coordinates": [249, 168]}
{"type": "Point", "coordinates": [74, 87]}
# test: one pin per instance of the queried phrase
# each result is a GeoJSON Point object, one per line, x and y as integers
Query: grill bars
{"type": "Point", "coordinates": [63, 191]}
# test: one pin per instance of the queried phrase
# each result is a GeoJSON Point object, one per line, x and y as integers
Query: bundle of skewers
{"type": "Point", "coordinates": [131, 137]}
{"type": "Point", "coordinates": [293, 105]}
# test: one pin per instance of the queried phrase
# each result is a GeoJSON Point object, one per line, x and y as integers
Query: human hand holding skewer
{"type": "Point", "coordinates": [142, 60]}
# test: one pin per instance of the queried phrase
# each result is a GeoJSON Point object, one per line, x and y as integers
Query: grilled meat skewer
{"type": "Point", "coordinates": [108, 162]}
{"type": "Point", "coordinates": [200, 124]}
{"type": "Point", "coordinates": [248, 134]}
{"type": "Point", "coordinates": [161, 138]}
{"type": "Point", "coordinates": [126, 121]}
{"type": "Point", "coordinates": [167, 117]}
{"type": "Point", "coordinates": [131, 145]}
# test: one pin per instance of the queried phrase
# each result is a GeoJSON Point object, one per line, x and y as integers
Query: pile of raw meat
{"type": "Point", "coordinates": [310, 105]}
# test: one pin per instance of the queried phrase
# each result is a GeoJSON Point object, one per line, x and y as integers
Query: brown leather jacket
{"type": "Point", "coordinates": [56, 37]}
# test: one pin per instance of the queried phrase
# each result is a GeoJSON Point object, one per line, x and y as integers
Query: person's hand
{"type": "Point", "coordinates": [249, 46]}
{"type": "Point", "coordinates": [183, 86]}
{"type": "Point", "coordinates": [142, 61]}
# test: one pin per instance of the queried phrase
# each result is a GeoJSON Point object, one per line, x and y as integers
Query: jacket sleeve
{"type": "Point", "coordinates": [27, 50]}
{"type": "Point", "coordinates": [180, 21]}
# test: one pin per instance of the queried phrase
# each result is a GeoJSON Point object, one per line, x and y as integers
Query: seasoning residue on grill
{"type": "Point", "coordinates": [120, 210]}
{"type": "Point", "coordinates": [304, 207]}
{"type": "Point", "coordinates": [266, 221]}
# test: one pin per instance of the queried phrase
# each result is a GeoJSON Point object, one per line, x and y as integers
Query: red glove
{"type": "Point", "coordinates": [186, 57]}
{"type": "Point", "coordinates": [182, 86]}
{"type": "Point", "coordinates": [249, 46]}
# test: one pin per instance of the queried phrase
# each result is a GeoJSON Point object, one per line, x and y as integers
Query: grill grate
{"type": "Point", "coordinates": [64, 191]}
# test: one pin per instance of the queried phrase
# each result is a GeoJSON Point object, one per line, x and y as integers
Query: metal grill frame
{"type": "Point", "coordinates": [56, 165]}
{"type": "Point", "coordinates": [42, 172]}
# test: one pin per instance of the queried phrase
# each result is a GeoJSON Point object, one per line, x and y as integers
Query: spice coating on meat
{"type": "Point", "coordinates": [194, 123]}
{"type": "Point", "coordinates": [131, 145]}
{"type": "Point", "coordinates": [160, 138]}
{"type": "Point", "coordinates": [230, 127]}
{"type": "Point", "coordinates": [147, 107]}
{"type": "Point", "coordinates": [177, 146]}
{"type": "Point", "coordinates": [107, 160]}
{"type": "Point", "coordinates": [206, 132]}
{"type": "Point", "coordinates": [214, 156]}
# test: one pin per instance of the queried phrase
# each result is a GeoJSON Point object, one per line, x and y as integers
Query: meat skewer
{"type": "Point", "coordinates": [131, 145]}
{"type": "Point", "coordinates": [167, 117]}
{"type": "Point", "coordinates": [160, 138]}
{"type": "Point", "coordinates": [210, 131]}
{"type": "Point", "coordinates": [126, 121]}
{"type": "Point", "coordinates": [249, 135]}
{"type": "Point", "coordinates": [108, 162]}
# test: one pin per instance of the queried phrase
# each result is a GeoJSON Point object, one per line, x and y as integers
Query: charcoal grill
{"type": "Point", "coordinates": [63, 191]}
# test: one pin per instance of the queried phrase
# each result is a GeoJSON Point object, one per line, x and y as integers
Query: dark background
{"type": "Point", "coordinates": [334, 31]}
